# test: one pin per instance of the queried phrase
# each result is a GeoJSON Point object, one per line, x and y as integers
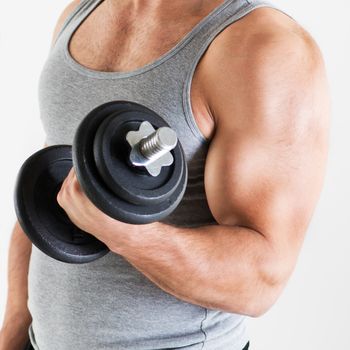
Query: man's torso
{"type": "Point", "coordinates": [108, 304]}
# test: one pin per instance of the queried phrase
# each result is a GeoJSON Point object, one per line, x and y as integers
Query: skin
{"type": "Point", "coordinates": [268, 123]}
{"type": "Point", "coordinates": [14, 331]}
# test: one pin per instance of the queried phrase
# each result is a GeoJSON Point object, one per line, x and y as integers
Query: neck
{"type": "Point", "coordinates": [164, 8]}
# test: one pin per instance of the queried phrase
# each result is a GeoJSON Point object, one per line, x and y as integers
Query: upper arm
{"type": "Point", "coordinates": [266, 161]}
{"type": "Point", "coordinates": [64, 15]}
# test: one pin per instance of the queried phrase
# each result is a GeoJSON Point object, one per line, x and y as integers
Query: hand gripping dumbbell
{"type": "Point", "coordinates": [128, 162]}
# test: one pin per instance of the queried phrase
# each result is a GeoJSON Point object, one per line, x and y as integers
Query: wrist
{"type": "Point", "coordinates": [14, 334]}
{"type": "Point", "coordinates": [16, 319]}
{"type": "Point", "coordinates": [136, 238]}
{"type": "Point", "coordinates": [145, 238]}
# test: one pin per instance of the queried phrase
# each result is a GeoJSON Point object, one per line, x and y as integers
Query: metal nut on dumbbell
{"type": "Point", "coordinates": [151, 148]}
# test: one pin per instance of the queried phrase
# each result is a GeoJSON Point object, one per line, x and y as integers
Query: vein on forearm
{"type": "Point", "coordinates": [213, 266]}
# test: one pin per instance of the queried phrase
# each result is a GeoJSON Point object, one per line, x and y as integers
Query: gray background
{"type": "Point", "coordinates": [313, 312]}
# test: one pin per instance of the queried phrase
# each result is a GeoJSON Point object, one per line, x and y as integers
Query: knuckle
{"type": "Point", "coordinates": [59, 198]}
{"type": "Point", "coordinates": [61, 195]}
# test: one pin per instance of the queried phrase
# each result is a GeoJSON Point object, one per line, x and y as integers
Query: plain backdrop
{"type": "Point", "coordinates": [314, 310]}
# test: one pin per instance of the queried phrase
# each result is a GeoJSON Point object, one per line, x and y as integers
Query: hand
{"type": "Point", "coordinates": [84, 214]}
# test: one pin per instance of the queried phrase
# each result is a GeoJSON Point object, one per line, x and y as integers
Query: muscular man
{"type": "Point", "coordinates": [245, 88]}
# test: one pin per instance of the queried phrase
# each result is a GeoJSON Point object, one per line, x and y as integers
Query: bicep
{"type": "Point", "coordinates": [266, 162]}
{"type": "Point", "coordinates": [264, 184]}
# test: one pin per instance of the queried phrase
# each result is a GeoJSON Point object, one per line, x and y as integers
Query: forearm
{"type": "Point", "coordinates": [17, 317]}
{"type": "Point", "coordinates": [219, 267]}
{"type": "Point", "coordinates": [232, 268]}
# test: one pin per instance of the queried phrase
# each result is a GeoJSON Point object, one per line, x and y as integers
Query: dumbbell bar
{"type": "Point", "coordinates": [128, 163]}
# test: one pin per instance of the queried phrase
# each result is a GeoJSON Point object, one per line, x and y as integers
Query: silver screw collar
{"type": "Point", "coordinates": [151, 148]}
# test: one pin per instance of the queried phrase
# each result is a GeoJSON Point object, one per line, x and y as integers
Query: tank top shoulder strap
{"type": "Point", "coordinates": [211, 26]}
{"type": "Point", "coordinates": [201, 38]}
{"type": "Point", "coordinates": [80, 12]}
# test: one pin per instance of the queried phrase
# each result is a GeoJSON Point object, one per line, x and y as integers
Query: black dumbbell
{"type": "Point", "coordinates": [128, 162]}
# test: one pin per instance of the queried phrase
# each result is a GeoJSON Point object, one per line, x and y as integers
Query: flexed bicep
{"type": "Point", "coordinates": [266, 162]}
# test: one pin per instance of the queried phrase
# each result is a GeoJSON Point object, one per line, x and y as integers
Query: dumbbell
{"type": "Point", "coordinates": [129, 163]}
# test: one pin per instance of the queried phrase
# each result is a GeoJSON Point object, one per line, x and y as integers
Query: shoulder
{"type": "Point", "coordinates": [263, 57]}
{"type": "Point", "coordinates": [262, 34]}
{"type": "Point", "coordinates": [63, 16]}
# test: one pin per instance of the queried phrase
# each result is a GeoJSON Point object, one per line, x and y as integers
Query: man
{"type": "Point", "coordinates": [245, 88]}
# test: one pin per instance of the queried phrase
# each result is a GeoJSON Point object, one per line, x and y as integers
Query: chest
{"type": "Point", "coordinates": [117, 43]}
{"type": "Point", "coordinates": [118, 40]}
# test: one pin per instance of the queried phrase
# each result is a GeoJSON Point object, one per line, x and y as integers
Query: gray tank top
{"type": "Point", "coordinates": [108, 304]}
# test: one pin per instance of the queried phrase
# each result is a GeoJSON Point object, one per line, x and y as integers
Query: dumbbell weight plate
{"type": "Point", "coordinates": [43, 220]}
{"type": "Point", "coordinates": [111, 153]}
{"type": "Point", "coordinates": [134, 203]}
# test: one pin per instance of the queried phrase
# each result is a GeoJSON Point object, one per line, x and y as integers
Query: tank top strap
{"type": "Point", "coordinates": [199, 40]}
{"type": "Point", "coordinates": [225, 14]}
{"type": "Point", "coordinates": [80, 12]}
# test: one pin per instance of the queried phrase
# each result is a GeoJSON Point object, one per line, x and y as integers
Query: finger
{"type": "Point", "coordinates": [64, 188]}
{"type": "Point", "coordinates": [74, 182]}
